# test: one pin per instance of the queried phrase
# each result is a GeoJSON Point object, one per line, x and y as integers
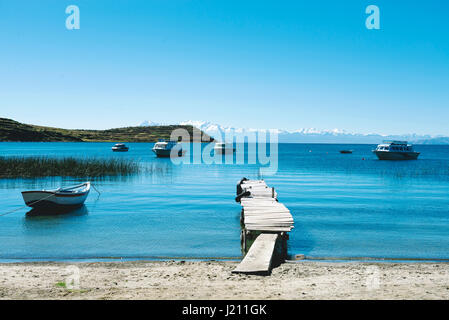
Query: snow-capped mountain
{"type": "Point", "coordinates": [304, 135]}
{"type": "Point", "coordinates": [149, 123]}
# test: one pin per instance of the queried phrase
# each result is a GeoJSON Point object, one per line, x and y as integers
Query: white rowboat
{"type": "Point", "coordinates": [63, 197]}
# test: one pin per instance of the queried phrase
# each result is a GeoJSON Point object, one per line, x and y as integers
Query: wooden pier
{"type": "Point", "coordinates": [265, 223]}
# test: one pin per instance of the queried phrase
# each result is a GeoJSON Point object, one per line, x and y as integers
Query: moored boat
{"type": "Point", "coordinates": [167, 149]}
{"type": "Point", "coordinates": [345, 151]}
{"type": "Point", "coordinates": [120, 147]}
{"type": "Point", "coordinates": [395, 150]}
{"type": "Point", "coordinates": [222, 148]}
{"type": "Point", "coordinates": [70, 197]}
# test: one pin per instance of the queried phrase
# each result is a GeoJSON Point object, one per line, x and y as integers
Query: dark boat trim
{"type": "Point", "coordinates": [58, 195]}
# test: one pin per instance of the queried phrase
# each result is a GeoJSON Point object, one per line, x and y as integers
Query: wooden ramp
{"type": "Point", "coordinates": [260, 209]}
{"type": "Point", "coordinates": [266, 219]}
{"type": "Point", "coordinates": [259, 258]}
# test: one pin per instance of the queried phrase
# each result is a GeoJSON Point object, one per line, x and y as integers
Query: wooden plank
{"type": "Point", "coordinates": [271, 220]}
{"type": "Point", "coordinates": [255, 199]}
{"type": "Point", "coordinates": [269, 216]}
{"type": "Point", "coordinates": [259, 187]}
{"type": "Point", "coordinates": [270, 229]}
{"type": "Point", "coordinates": [266, 210]}
{"type": "Point", "coordinates": [253, 182]}
{"type": "Point", "coordinates": [272, 215]}
{"type": "Point", "coordinates": [262, 220]}
{"type": "Point", "coordinates": [274, 205]}
{"type": "Point", "coordinates": [248, 186]}
{"type": "Point", "coordinates": [259, 191]}
{"type": "Point", "coordinates": [268, 225]}
{"type": "Point", "coordinates": [259, 257]}
{"type": "Point", "coordinates": [267, 222]}
{"type": "Point", "coordinates": [263, 204]}
{"type": "Point", "coordinates": [253, 223]}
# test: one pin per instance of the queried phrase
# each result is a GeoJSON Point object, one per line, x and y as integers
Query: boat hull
{"type": "Point", "coordinates": [386, 155]}
{"type": "Point", "coordinates": [51, 199]}
{"type": "Point", "coordinates": [161, 153]}
{"type": "Point", "coordinates": [120, 149]}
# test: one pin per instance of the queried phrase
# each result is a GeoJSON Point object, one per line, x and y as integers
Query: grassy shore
{"type": "Point", "coordinates": [32, 167]}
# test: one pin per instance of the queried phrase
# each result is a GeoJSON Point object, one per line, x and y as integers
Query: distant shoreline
{"type": "Point", "coordinates": [206, 142]}
{"type": "Point", "coordinates": [13, 131]}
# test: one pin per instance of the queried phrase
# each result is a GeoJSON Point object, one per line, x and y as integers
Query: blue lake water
{"type": "Point", "coordinates": [344, 205]}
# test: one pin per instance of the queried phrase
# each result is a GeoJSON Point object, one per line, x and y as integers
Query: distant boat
{"type": "Point", "coordinates": [163, 149]}
{"type": "Point", "coordinates": [120, 147]}
{"type": "Point", "coordinates": [63, 197]}
{"type": "Point", "coordinates": [395, 150]}
{"type": "Point", "coordinates": [345, 151]}
{"type": "Point", "coordinates": [222, 148]}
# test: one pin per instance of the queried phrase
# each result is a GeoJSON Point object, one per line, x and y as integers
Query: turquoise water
{"type": "Point", "coordinates": [344, 205]}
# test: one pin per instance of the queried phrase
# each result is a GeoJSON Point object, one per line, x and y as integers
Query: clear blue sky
{"type": "Point", "coordinates": [260, 64]}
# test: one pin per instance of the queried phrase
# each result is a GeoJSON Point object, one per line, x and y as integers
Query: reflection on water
{"type": "Point", "coordinates": [52, 222]}
{"type": "Point", "coordinates": [51, 225]}
{"type": "Point", "coordinates": [59, 212]}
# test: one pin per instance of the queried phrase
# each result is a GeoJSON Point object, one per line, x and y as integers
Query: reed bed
{"type": "Point", "coordinates": [32, 167]}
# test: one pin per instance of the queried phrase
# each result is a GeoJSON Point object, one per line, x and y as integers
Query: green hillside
{"type": "Point", "coordinates": [11, 130]}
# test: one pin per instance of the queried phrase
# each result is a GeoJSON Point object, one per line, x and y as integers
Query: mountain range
{"type": "Point", "coordinates": [305, 135]}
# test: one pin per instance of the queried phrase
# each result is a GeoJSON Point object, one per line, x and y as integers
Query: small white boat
{"type": "Point", "coordinates": [163, 149]}
{"type": "Point", "coordinates": [395, 150]}
{"type": "Point", "coordinates": [222, 148]}
{"type": "Point", "coordinates": [63, 197]}
{"type": "Point", "coordinates": [120, 147]}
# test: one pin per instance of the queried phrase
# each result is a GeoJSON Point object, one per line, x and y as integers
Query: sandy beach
{"type": "Point", "coordinates": [214, 280]}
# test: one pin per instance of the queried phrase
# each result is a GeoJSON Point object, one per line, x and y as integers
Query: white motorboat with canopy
{"type": "Point", "coordinates": [120, 147]}
{"type": "Point", "coordinates": [167, 149]}
{"type": "Point", "coordinates": [73, 196]}
{"type": "Point", "coordinates": [395, 150]}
